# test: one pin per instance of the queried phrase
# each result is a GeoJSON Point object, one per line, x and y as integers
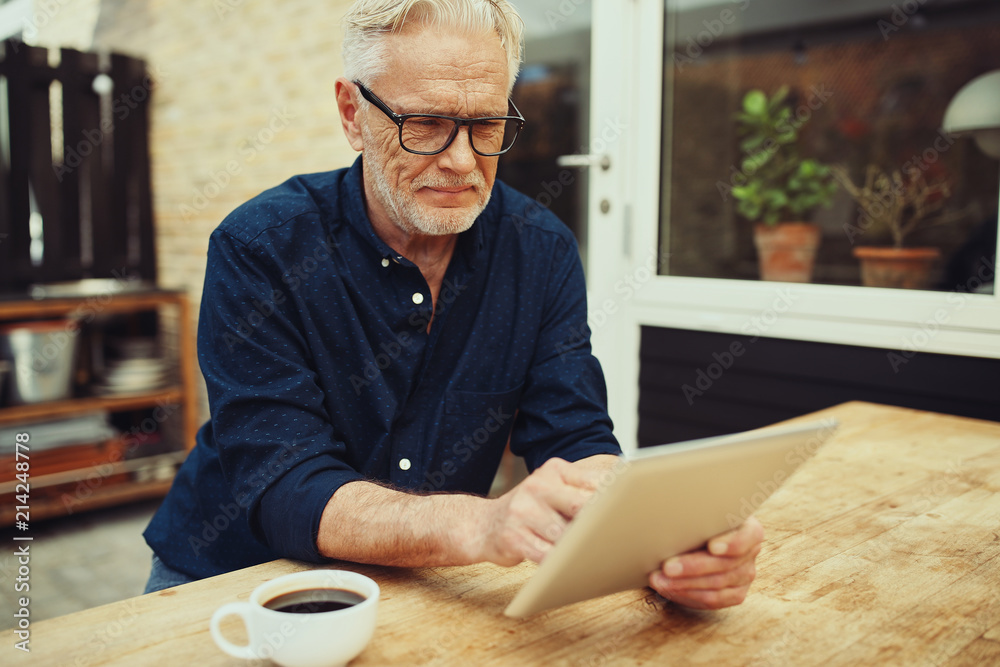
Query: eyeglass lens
{"type": "Point", "coordinates": [428, 134]}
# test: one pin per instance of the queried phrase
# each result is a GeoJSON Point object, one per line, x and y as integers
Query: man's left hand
{"type": "Point", "coordinates": [716, 577]}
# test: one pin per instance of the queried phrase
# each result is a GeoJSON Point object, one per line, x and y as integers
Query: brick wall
{"type": "Point", "coordinates": [244, 99]}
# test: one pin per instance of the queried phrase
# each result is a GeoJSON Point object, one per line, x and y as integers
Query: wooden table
{"type": "Point", "coordinates": [883, 549]}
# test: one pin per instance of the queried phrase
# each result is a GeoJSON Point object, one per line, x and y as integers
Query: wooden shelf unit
{"type": "Point", "coordinates": [49, 493]}
{"type": "Point", "coordinates": [48, 507]}
{"type": "Point", "coordinates": [78, 406]}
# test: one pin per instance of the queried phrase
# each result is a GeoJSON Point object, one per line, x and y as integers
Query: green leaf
{"type": "Point", "coordinates": [777, 198]}
{"type": "Point", "coordinates": [755, 103]}
{"type": "Point", "coordinates": [752, 164]}
{"type": "Point", "coordinates": [752, 143]}
{"type": "Point", "coordinates": [748, 209]}
{"type": "Point", "coordinates": [780, 185]}
{"type": "Point", "coordinates": [778, 99]}
{"type": "Point", "coordinates": [741, 193]}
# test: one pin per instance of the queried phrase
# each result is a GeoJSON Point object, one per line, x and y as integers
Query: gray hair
{"type": "Point", "coordinates": [368, 21]}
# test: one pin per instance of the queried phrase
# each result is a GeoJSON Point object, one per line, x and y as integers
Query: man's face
{"type": "Point", "coordinates": [439, 73]}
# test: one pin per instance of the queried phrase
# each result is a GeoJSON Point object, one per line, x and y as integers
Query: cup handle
{"type": "Point", "coordinates": [241, 609]}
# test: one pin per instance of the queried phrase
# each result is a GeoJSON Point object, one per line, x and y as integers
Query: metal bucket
{"type": "Point", "coordinates": [42, 356]}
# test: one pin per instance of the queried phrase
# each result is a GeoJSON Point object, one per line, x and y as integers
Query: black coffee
{"type": "Point", "coordinates": [314, 601]}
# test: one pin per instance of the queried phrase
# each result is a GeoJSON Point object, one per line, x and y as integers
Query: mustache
{"type": "Point", "coordinates": [473, 179]}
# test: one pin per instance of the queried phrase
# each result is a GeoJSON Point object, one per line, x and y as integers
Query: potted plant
{"type": "Point", "coordinates": [780, 188]}
{"type": "Point", "coordinates": [899, 205]}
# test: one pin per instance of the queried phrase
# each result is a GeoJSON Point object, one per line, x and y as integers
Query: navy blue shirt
{"type": "Point", "coordinates": [320, 370]}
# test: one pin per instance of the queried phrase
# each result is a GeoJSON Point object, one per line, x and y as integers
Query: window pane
{"type": "Point", "coordinates": [868, 83]}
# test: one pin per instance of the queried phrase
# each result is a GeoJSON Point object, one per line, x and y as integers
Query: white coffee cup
{"type": "Point", "coordinates": [319, 639]}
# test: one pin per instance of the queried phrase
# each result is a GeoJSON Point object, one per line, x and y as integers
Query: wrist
{"type": "Point", "coordinates": [467, 528]}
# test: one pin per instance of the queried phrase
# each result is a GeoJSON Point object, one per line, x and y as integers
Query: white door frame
{"type": "Point", "coordinates": [616, 273]}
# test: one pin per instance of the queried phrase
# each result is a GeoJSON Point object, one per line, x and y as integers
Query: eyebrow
{"type": "Point", "coordinates": [445, 112]}
{"type": "Point", "coordinates": [402, 110]}
{"type": "Point", "coordinates": [441, 111]}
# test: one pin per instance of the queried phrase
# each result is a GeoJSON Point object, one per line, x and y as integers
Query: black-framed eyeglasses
{"type": "Point", "coordinates": [430, 134]}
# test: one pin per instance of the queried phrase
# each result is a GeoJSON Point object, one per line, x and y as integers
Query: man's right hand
{"type": "Point", "coordinates": [526, 521]}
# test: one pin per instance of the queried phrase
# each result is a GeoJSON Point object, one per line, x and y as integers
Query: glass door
{"type": "Point", "coordinates": [553, 94]}
{"type": "Point", "coordinates": [575, 153]}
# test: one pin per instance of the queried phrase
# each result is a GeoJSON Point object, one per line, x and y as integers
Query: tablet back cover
{"type": "Point", "coordinates": [669, 499]}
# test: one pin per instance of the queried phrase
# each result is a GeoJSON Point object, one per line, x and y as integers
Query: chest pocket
{"type": "Point", "coordinates": [475, 429]}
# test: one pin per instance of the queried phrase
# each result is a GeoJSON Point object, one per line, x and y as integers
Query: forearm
{"type": "Point", "coordinates": [367, 523]}
{"type": "Point", "coordinates": [600, 462]}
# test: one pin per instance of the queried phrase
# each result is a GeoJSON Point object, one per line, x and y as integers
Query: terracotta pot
{"type": "Point", "coordinates": [786, 252]}
{"type": "Point", "coordinates": [904, 268]}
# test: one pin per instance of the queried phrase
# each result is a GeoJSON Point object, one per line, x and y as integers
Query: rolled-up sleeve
{"type": "Point", "coordinates": [563, 410]}
{"type": "Point", "coordinates": [276, 442]}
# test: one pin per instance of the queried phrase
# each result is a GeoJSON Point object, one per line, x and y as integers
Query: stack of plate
{"type": "Point", "coordinates": [135, 368]}
{"type": "Point", "coordinates": [57, 433]}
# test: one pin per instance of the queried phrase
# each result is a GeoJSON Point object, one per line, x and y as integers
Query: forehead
{"type": "Point", "coordinates": [436, 71]}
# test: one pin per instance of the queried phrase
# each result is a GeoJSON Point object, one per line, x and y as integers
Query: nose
{"type": "Point", "coordinates": [459, 156]}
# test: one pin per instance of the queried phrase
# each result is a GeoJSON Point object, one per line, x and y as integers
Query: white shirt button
{"type": "Point", "coordinates": [418, 298]}
{"type": "Point", "coordinates": [404, 464]}
{"type": "Point", "coordinates": [385, 262]}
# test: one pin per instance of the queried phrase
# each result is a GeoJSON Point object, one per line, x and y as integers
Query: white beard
{"type": "Point", "coordinates": [415, 218]}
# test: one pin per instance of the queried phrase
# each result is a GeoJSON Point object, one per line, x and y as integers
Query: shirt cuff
{"type": "Point", "coordinates": [290, 510]}
{"type": "Point", "coordinates": [587, 449]}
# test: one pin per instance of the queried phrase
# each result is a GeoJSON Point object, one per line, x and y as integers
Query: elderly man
{"type": "Point", "coordinates": [372, 337]}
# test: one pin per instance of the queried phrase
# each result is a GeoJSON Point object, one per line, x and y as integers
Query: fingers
{"type": "Point", "coordinates": [708, 599]}
{"type": "Point", "coordinates": [533, 526]}
{"type": "Point", "coordinates": [739, 541]}
{"type": "Point", "coordinates": [592, 472]}
{"type": "Point", "coordinates": [702, 563]}
{"type": "Point", "coordinates": [715, 577]}
{"type": "Point", "coordinates": [716, 591]}
{"type": "Point", "coordinates": [564, 499]}
{"type": "Point", "coordinates": [724, 552]}
{"type": "Point", "coordinates": [563, 486]}
{"type": "Point", "coordinates": [738, 574]}
{"type": "Point", "coordinates": [526, 543]}
{"type": "Point", "coordinates": [530, 519]}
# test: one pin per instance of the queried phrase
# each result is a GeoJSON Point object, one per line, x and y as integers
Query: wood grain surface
{"type": "Point", "coordinates": [884, 548]}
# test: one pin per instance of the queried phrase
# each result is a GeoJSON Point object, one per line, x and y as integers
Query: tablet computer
{"type": "Point", "coordinates": [664, 501]}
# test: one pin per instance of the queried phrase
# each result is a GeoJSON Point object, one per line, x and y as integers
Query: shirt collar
{"type": "Point", "coordinates": [471, 243]}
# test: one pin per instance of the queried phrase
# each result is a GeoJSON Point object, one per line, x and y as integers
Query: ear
{"type": "Point", "coordinates": [349, 113]}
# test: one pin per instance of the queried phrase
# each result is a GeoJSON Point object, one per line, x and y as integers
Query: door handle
{"type": "Point", "coordinates": [603, 161]}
